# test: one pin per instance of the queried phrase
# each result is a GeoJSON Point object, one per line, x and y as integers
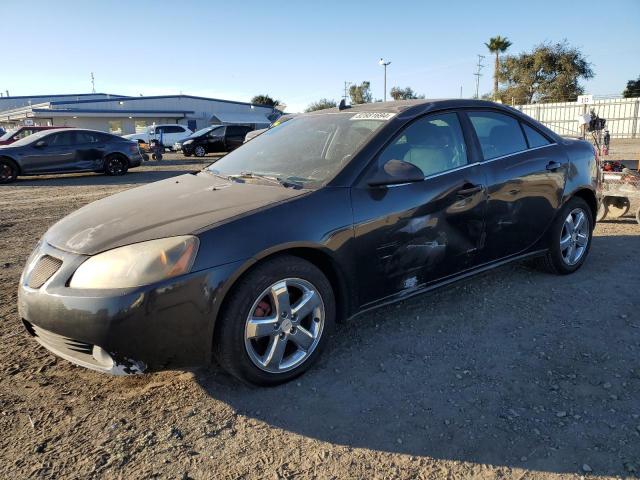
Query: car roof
{"type": "Point", "coordinates": [397, 106]}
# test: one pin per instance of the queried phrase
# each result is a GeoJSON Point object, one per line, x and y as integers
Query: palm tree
{"type": "Point", "coordinates": [497, 45]}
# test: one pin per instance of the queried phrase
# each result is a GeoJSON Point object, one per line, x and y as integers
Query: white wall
{"type": "Point", "coordinates": [622, 115]}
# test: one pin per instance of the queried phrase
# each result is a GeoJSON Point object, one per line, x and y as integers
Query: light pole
{"type": "Point", "coordinates": [385, 65]}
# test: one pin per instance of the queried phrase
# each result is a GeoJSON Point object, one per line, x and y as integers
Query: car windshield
{"type": "Point", "coordinates": [202, 131]}
{"type": "Point", "coordinates": [34, 137]}
{"type": "Point", "coordinates": [307, 149]}
{"type": "Point", "coordinates": [8, 135]}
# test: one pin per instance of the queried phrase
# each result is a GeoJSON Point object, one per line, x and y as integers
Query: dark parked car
{"type": "Point", "coordinates": [335, 212]}
{"type": "Point", "coordinates": [19, 133]}
{"type": "Point", "coordinates": [218, 138]}
{"type": "Point", "coordinates": [66, 151]}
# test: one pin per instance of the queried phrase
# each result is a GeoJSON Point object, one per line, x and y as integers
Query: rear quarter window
{"type": "Point", "coordinates": [535, 138]}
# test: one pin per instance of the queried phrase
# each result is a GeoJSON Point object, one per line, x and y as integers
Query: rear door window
{"type": "Point", "coordinates": [535, 138]}
{"type": "Point", "coordinates": [499, 134]}
{"type": "Point", "coordinates": [87, 137]}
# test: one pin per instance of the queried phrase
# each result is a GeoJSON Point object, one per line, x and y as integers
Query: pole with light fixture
{"type": "Point", "coordinates": [384, 64]}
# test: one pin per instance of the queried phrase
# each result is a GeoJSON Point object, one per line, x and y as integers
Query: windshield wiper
{"type": "Point", "coordinates": [272, 178]}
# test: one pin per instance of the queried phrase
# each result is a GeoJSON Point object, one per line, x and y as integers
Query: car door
{"type": "Point", "coordinates": [52, 153]}
{"type": "Point", "coordinates": [90, 148]}
{"type": "Point", "coordinates": [410, 235]}
{"type": "Point", "coordinates": [235, 136]}
{"type": "Point", "coordinates": [526, 174]}
{"type": "Point", "coordinates": [215, 140]}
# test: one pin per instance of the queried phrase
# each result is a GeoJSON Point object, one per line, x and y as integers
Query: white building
{"type": "Point", "coordinates": [121, 115]}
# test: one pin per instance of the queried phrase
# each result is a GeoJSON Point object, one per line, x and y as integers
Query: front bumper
{"type": "Point", "coordinates": [165, 325]}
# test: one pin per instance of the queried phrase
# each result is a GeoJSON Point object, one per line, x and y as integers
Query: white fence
{"type": "Point", "coordinates": [622, 115]}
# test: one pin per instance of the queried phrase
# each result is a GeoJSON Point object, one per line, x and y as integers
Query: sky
{"type": "Point", "coordinates": [297, 51]}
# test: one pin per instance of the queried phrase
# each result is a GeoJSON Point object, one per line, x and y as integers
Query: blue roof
{"type": "Point", "coordinates": [130, 99]}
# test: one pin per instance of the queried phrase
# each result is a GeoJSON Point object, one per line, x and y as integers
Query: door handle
{"type": "Point", "coordinates": [465, 192]}
{"type": "Point", "coordinates": [553, 166]}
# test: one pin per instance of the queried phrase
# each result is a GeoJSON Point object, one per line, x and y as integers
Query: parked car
{"type": "Point", "coordinates": [253, 134]}
{"type": "Point", "coordinates": [66, 151]}
{"type": "Point", "coordinates": [255, 258]}
{"type": "Point", "coordinates": [218, 138]}
{"type": "Point", "coordinates": [170, 134]}
{"type": "Point", "coordinates": [20, 133]}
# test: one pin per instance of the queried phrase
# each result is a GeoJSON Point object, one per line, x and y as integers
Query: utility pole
{"type": "Point", "coordinates": [346, 87]}
{"type": "Point", "coordinates": [480, 66]}
{"type": "Point", "coordinates": [384, 64]}
{"type": "Point", "coordinates": [93, 83]}
{"type": "Point", "coordinates": [460, 91]}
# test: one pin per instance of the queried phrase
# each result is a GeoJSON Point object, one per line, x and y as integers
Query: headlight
{"type": "Point", "coordinates": [137, 264]}
{"type": "Point", "coordinates": [187, 142]}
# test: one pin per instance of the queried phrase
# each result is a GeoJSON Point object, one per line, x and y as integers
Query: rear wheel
{"type": "Point", "coordinates": [115, 165]}
{"type": "Point", "coordinates": [570, 238]}
{"type": "Point", "coordinates": [199, 151]}
{"type": "Point", "coordinates": [276, 321]}
{"type": "Point", "coordinates": [8, 171]}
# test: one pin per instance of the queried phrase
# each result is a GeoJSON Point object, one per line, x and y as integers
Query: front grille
{"type": "Point", "coordinates": [44, 269]}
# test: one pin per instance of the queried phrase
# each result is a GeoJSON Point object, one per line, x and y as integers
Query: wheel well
{"type": "Point", "coordinates": [589, 197]}
{"type": "Point", "coordinates": [321, 260]}
{"type": "Point", "coordinates": [13, 162]}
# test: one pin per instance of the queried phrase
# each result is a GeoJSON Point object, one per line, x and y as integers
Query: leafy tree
{"type": "Point", "coordinates": [549, 73]}
{"type": "Point", "coordinates": [321, 105]}
{"type": "Point", "coordinates": [497, 45]}
{"type": "Point", "coordinates": [398, 93]}
{"type": "Point", "coordinates": [360, 93]}
{"type": "Point", "coordinates": [265, 100]}
{"type": "Point", "coordinates": [633, 89]}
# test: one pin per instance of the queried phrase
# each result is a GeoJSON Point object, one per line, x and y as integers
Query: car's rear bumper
{"type": "Point", "coordinates": [165, 325]}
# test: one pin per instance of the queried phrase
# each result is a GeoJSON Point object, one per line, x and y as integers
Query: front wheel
{"type": "Point", "coordinates": [8, 171]}
{"type": "Point", "coordinates": [276, 322]}
{"type": "Point", "coordinates": [199, 151]}
{"type": "Point", "coordinates": [571, 236]}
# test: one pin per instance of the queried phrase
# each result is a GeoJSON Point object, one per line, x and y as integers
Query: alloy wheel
{"type": "Point", "coordinates": [574, 237]}
{"type": "Point", "coordinates": [284, 325]}
{"type": "Point", "coordinates": [6, 172]}
{"type": "Point", "coordinates": [199, 151]}
{"type": "Point", "coordinates": [115, 166]}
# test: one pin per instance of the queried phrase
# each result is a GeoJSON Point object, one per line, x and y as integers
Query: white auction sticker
{"type": "Point", "coordinates": [373, 116]}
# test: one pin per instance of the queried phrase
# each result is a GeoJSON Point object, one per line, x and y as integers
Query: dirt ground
{"type": "Point", "coordinates": [513, 374]}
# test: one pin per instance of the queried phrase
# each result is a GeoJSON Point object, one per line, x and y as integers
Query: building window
{"type": "Point", "coordinates": [141, 126]}
{"type": "Point", "coordinates": [115, 127]}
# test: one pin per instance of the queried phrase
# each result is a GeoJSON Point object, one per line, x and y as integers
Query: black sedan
{"type": "Point", "coordinates": [218, 138]}
{"type": "Point", "coordinates": [255, 258]}
{"type": "Point", "coordinates": [68, 150]}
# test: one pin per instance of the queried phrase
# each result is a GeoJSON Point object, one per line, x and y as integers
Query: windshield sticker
{"type": "Point", "coordinates": [373, 116]}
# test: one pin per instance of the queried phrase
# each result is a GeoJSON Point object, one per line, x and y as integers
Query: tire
{"type": "Point", "coordinates": [618, 207]}
{"type": "Point", "coordinates": [242, 340]}
{"type": "Point", "coordinates": [8, 170]}
{"type": "Point", "coordinates": [199, 151]}
{"type": "Point", "coordinates": [115, 165]}
{"type": "Point", "coordinates": [558, 259]}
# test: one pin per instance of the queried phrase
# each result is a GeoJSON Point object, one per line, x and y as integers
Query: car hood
{"type": "Point", "coordinates": [176, 206]}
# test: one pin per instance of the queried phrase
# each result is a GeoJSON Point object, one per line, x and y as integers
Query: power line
{"type": "Point", "coordinates": [480, 66]}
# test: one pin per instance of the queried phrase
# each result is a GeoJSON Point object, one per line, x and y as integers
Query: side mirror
{"type": "Point", "coordinates": [396, 172]}
{"type": "Point", "coordinates": [40, 144]}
